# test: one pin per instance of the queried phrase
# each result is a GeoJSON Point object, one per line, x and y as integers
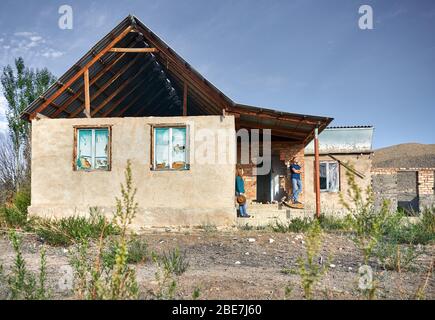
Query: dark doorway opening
{"type": "Point", "coordinates": [271, 187]}
{"type": "Point", "coordinates": [407, 192]}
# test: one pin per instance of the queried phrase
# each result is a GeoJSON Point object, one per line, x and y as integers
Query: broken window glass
{"type": "Point", "coordinates": [329, 176]}
{"type": "Point", "coordinates": [333, 176]}
{"type": "Point", "coordinates": [170, 148]}
{"type": "Point", "coordinates": [92, 149]}
{"type": "Point", "coordinates": [323, 176]}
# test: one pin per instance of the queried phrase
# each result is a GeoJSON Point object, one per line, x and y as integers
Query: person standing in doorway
{"type": "Point", "coordinates": [295, 175]}
{"type": "Point", "coordinates": [240, 191]}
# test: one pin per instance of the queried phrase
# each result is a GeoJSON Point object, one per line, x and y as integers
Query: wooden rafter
{"type": "Point", "coordinates": [197, 85]}
{"type": "Point", "coordinates": [114, 78]}
{"type": "Point", "coordinates": [261, 114]}
{"type": "Point", "coordinates": [121, 99]}
{"type": "Point", "coordinates": [255, 125]}
{"type": "Point", "coordinates": [152, 88]}
{"type": "Point", "coordinates": [87, 94]}
{"type": "Point", "coordinates": [108, 98]}
{"type": "Point", "coordinates": [204, 104]}
{"type": "Point", "coordinates": [175, 63]}
{"type": "Point", "coordinates": [80, 73]}
{"type": "Point", "coordinates": [145, 79]}
{"type": "Point", "coordinates": [184, 98]}
{"type": "Point", "coordinates": [275, 133]}
{"type": "Point", "coordinates": [138, 50]}
{"type": "Point", "coordinates": [200, 96]}
{"type": "Point", "coordinates": [92, 81]}
{"type": "Point", "coordinates": [118, 90]}
{"type": "Point", "coordinates": [150, 101]}
{"type": "Point", "coordinates": [131, 103]}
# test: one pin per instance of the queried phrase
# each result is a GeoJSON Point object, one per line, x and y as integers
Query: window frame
{"type": "Point", "coordinates": [169, 126]}
{"type": "Point", "coordinates": [327, 176]}
{"type": "Point", "coordinates": [76, 146]}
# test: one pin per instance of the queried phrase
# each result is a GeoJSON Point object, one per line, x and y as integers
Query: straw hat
{"type": "Point", "coordinates": [241, 199]}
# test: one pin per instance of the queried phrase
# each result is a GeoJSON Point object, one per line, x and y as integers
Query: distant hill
{"type": "Point", "coordinates": [407, 155]}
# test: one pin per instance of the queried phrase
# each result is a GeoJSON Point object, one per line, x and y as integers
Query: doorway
{"type": "Point", "coordinates": [271, 187]}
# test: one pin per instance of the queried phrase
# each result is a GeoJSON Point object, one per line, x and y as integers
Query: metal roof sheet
{"type": "Point", "coordinates": [356, 139]}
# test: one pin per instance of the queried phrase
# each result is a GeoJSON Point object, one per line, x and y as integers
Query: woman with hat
{"type": "Point", "coordinates": [240, 190]}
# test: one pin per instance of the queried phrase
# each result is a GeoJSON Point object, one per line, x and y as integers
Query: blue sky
{"type": "Point", "coordinates": [300, 56]}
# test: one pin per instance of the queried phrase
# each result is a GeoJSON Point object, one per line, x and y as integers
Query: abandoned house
{"type": "Point", "coordinates": [341, 149]}
{"type": "Point", "coordinates": [404, 175]}
{"type": "Point", "coordinates": [132, 97]}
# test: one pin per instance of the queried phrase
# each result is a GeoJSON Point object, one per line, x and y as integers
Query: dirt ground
{"type": "Point", "coordinates": [244, 265]}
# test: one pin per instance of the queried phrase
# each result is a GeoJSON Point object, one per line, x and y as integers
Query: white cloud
{"type": "Point", "coordinates": [30, 45]}
{"type": "Point", "coordinates": [51, 53]}
{"type": "Point", "coordinates": [24, 34]}
{"type": "Point", "coordinates": [35, 38]}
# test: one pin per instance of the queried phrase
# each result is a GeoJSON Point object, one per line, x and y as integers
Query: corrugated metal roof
{"type": "Point", "coordinates": [351, 139]}
{"type": "Point", "coordinates": [349, 127]}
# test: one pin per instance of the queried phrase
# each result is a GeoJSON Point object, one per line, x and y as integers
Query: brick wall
{"type": "Point", "coordinates": [250, 181]}
{"type": "Point", "coordinates": [286, 151]}
{"type": "Point", "coordinates": [426, 182]}
{"type": "Point", "coordinates": [385, 185]}
{"type": "Point", "coordinates": [426, 190]}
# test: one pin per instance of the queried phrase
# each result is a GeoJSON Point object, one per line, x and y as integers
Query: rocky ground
{"type": "Point", "coordinates": [245, 265]}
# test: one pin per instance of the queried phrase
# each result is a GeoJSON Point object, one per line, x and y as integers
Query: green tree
{"type": "Point", "coordinates": [21, 86]}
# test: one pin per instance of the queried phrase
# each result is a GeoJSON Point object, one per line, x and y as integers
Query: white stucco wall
{"type": "Point", "coordinates": [202, 195]}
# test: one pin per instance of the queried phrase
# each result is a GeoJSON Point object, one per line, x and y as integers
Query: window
{"type": "Point", "coordinates": [329, 177]}
{"type": "Point", "coordinates": [170, 148]}
{"type": "Point", "coordinates": [92, 149]}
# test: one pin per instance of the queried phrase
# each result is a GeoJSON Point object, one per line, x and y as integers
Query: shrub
{"type": "Point", "coordinates": [331, 223]}
{"type": "Point", "coordinates": [66, 231]}
{"type": "Point", "coordinates": [207, 227]}
{"type": "Point", "coordinates": [328, 223]}
{"type": "Point", "coordinates": [295, 225]}
{"type": "Point", "coordinates": [396, 257]}
{"type": "Point", "coordinates": [14, 214]}
{"type": "Point", "coordinates": [175, 261]}
{"type": "Point", "coordinates": [12, 217]}
{"type": "Point", "coordinates": [166, 282]}
{"type": "Point", "coordinates": [196, 293]}
{"type": "Point", "coordinates": [366, 223]}
{"type": "Point", "coordinates": [310, 271]}
{"type": "Point", "coordinates": [428, 219]}
{"type": "Point", "coordinates": [398, 230]}
{"type": "Point", "coordinates": [137, 252]}
{"type": "Point", "coordinates": [170, 265]}
{"type": "Point", "coordinates": [21, 283]}
{"type": "Point", "coordinates": [93, 279]}
{"type": "Point", "coordinates": [246, 227]}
